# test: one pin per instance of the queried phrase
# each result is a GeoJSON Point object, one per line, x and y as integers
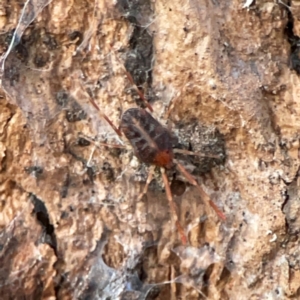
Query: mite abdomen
{"type": "Point", "coordinates": [152, 143]}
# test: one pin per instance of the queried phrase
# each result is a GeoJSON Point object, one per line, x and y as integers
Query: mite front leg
{"type": "Point", "coordinates": [173, 206]}
{"type": "Point", "coordinates": [105, 117]}
{"type": "Point", "coordinates": [99, 144]}
{"type": "Point", "coordinates": [128, 75]}
{"type": "Point", "coordinates": [79, 93]}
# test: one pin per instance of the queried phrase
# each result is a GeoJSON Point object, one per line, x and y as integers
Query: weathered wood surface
{"type": "Point", "coordinates": [71, 227]}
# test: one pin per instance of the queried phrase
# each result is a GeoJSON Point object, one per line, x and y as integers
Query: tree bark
{"type": "Point", "coordinates": [222, 76]}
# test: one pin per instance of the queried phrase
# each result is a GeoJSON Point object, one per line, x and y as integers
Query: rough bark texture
{"type": "Point", "coordinates": [224, 78]}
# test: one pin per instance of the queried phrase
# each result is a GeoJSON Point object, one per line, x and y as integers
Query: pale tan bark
{"type": "Point", "coordinates": [71, 225]}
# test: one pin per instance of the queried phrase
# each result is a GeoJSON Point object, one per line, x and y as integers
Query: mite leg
{"type": "Point", "coordinates": [203, 195]}
{"type": "Point", "coordinates": [99, 144]}
{"type": "Point", "coordinates": [187, 152]}
{"type": "Point", "coordinates": [173, 206]}
{"type": "Point", "coordinates": [78, 92]}
{"type": "Point", "coordinates": [128, 75]}
{"type": "Point", "coordinates": [149, 179]}
{"type": "Point", "coordinates": [105, 117]}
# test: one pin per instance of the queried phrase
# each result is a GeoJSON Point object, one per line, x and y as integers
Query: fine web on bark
{"type": "Point", "coordinates": [83, 185]}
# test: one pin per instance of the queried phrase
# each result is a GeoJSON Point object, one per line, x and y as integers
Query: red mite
{"type": "Point", "coordinates": [152, 144]}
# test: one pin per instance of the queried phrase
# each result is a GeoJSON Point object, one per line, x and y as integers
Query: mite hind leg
{"type": "Point", "coordinates": [205, 198]}
{"type": "Point", "coordinates": [173, 207]}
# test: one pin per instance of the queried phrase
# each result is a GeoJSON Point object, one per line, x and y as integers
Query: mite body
{"type": "Point", "coordinates": [152, 143]}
